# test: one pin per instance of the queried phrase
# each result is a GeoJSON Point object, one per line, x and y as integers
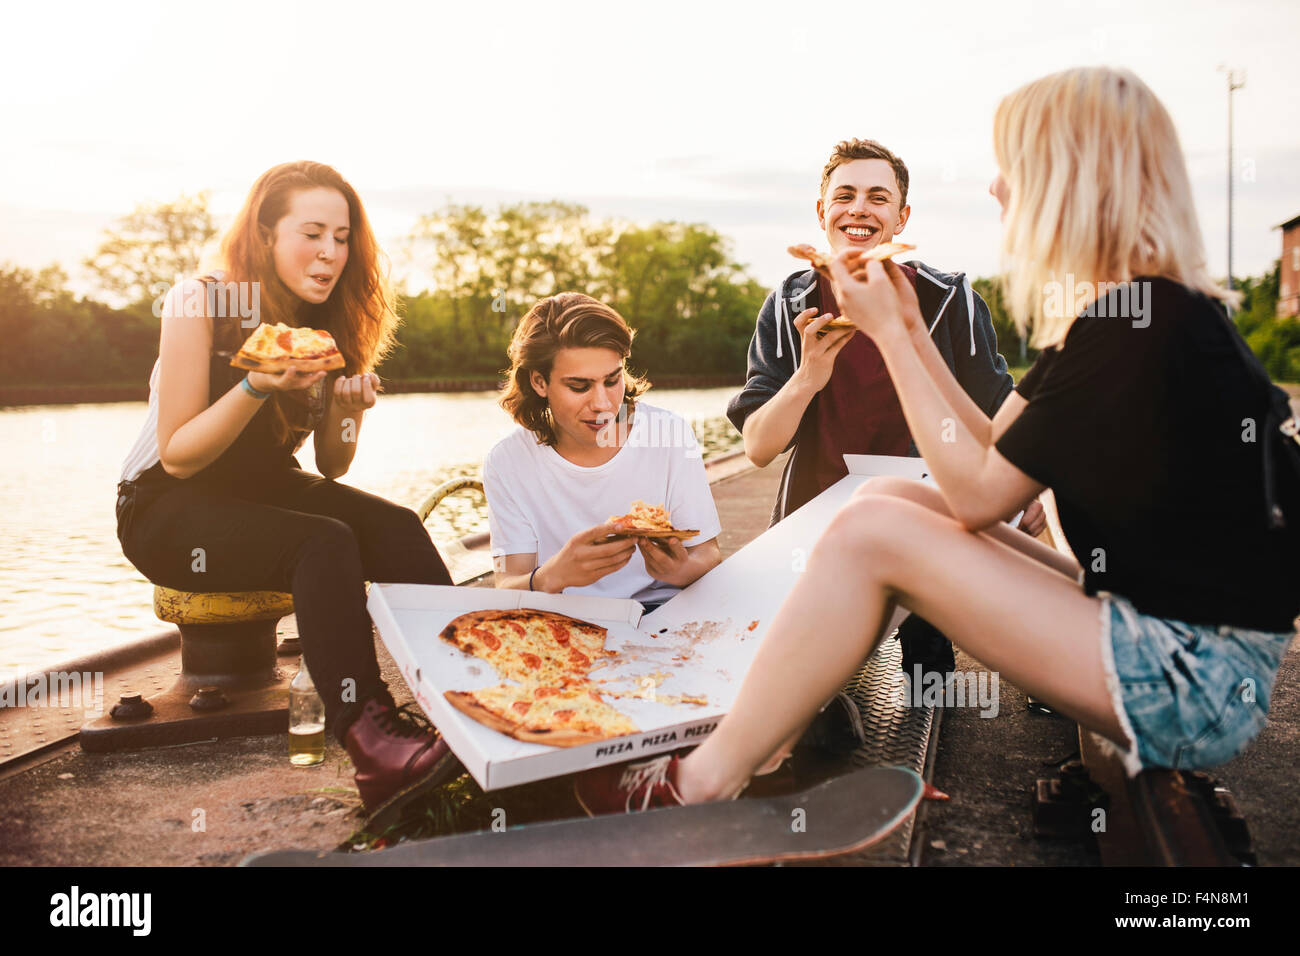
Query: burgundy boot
{"type": "Point", "coordinates": [398, 756]}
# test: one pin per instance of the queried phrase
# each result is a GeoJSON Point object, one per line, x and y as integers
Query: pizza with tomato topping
{"type": "Point", "coordinates": [530, 645]}
{"type": "Point", "coordinates": [821, 261]}
{"type": "Point", "coordinates": [649, 521]}
{"type": "Point", "coordinates": [278, 348]}
{"type": "Point", "coordinates": [544, 714]}
{"type": "Point", "coordinates": [551, 657]}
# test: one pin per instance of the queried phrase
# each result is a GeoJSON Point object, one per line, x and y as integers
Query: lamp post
{"type": "Point", "coordinates": [1236, 80]}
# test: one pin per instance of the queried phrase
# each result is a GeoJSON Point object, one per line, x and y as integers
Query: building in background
{"type": "Point", "coordinates": [1288, 293]}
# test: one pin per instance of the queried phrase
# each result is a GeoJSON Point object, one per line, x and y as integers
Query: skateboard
{"type": "Point", "coordinates": [838, 816]}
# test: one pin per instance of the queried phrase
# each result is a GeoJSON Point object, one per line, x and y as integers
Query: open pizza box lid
{"type": "Point", "coordinates": [700, 643]}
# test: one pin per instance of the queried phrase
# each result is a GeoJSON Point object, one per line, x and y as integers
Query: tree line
{"type": "Point", "coordinates": [692, 305]}
{"type": "Point", "coordinates": [676, 283]}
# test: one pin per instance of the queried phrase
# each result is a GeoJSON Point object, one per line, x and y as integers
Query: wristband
{"type": "Point", "coordinates": [531, 576]}
{"type": "Point", "coordinates": [248, 387]}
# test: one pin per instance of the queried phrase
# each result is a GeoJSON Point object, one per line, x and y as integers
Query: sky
{"type": "Point", "coordinates": [721, 113]}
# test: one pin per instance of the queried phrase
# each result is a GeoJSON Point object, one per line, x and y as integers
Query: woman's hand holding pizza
{"type": "Point", "coordinates": [586, 558]}
{"type": "Point", "coordinates": [875, 296]}
{"type": "Point", "coordinates": [357, 393]}
{"type": "Point", "coordinates": [290, 380]}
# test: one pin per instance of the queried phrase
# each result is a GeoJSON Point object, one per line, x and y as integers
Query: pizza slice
{"type": "Point", "coordinates": [278, 348]}
{"type": "Point", "coordinates": [544, 714]}
{"type": "Point", "coordinates": [530, 645]}
{"type": "Point", "coordinates": [649, 521]}
{"type": "Point", "coordinates": [821, 261]}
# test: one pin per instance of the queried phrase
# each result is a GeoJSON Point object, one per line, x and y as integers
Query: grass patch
{"type": "Point", "coordinates": [463, 807]}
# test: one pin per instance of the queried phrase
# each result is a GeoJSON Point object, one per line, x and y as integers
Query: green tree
{"type": "Point", "coordinates": [53, 338]}
{"type": "Point", "coordinates": [1275, 340]}
{"type": "Point", "coordinates": [156, 243]}
{"type": "Point", "coordinates": [1010, 343]}
{"type": "Point", "coordinates": [692, 306]}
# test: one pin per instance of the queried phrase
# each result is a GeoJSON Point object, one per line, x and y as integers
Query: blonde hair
{"type": "Point", "coordinates": [1099, 194]}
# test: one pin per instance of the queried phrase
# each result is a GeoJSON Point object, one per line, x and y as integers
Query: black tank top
{"type": "Point", "coordinates": [256, 453]}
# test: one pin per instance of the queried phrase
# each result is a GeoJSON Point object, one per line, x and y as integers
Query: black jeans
{"type": "Point", "coordinates": [285, 530]}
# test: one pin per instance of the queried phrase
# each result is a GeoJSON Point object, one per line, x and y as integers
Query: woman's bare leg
{"type": "Point", "coordinates": [882, 548]}
{"type": "Point", "coordinates": [932, 498]}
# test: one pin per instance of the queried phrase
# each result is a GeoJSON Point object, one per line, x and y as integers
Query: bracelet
{"type": "Point", "coordinates": [533, 575]}
{"type": "Point", "coordinates": [248, 387]}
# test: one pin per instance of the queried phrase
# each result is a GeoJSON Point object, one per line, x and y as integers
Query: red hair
{"type": "Point", "coordinates": [359, 312]}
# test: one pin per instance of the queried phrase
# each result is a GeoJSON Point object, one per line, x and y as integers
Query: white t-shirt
{"type": "Point", "coordinates": [538, 500]}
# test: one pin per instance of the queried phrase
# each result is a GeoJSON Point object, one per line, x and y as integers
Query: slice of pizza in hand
{"type": "Point", "coordinates": [649, 521]}
{"type": "Point", "coordinates": [821, 261]}
{"type": "Point", "coordinates": [278, 348]}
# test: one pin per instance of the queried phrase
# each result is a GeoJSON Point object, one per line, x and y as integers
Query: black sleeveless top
{"type": "Point", "coordinates": [256, 452]}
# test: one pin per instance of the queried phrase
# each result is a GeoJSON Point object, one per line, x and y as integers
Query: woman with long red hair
{"type": "Point", "coordinates": [213, 467]}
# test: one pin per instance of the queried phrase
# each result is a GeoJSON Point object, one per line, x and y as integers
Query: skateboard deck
{"type": "Point", "coordinates": [841, 815]}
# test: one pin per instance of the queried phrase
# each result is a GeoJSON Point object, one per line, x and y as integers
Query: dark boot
{"type": "Point", "coordinates": [924, 644]}
{"type": "Point", "coordinates": [837, 728]}
{"type": "Point", "coordinates": [397, 755]}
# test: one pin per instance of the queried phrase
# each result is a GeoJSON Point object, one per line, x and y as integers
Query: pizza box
{"type": "Point", "coordinates": [754, 582]}
{"type": "Point", "coordinates": [700, 643]}
{"type": "Point", "coordinates": [410, 617]}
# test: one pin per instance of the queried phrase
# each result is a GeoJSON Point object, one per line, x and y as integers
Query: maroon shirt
{"type": "Point", "coordinates": [857, 412]}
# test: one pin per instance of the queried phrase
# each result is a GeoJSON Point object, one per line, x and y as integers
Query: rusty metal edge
{"type": "Point", "coordinates": [917, 849]}
{"type": "Point", "coordinates": [110, 658]}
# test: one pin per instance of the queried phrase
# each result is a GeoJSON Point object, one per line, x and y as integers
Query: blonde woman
{"type": "Point", "coordinates": [1138, 416]}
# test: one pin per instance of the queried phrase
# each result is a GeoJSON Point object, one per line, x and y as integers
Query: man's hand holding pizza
{"type": "Point", "coordinates": [819, 351]}
{"type": "Point", "coordinates": [1034, 520]}
{"type": "Point", "coordinates": [585, 558]}
{"type": "Point", "coordinates": [667, 560]}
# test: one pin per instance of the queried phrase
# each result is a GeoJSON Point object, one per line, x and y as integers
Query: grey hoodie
{"type": "Point", "coordinates": [959, 324]}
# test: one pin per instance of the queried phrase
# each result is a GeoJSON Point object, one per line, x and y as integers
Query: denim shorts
{"type": "Point", "coordinates": [1189, 695]}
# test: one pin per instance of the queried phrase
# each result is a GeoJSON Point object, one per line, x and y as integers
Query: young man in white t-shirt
{"type": "Point", "coordinates": [586, 450]}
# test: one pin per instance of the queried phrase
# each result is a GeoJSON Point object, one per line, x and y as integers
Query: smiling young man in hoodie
{"type": "Point", "coordinates": [824, 397]}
